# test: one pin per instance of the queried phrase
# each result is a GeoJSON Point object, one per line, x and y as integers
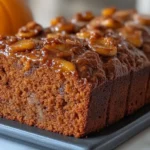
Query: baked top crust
{"type": "Point", "coordinates": [97, 48]}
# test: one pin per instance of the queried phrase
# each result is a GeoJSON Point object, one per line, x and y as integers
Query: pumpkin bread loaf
{"type": "Point", "coordinates": [76, 76]}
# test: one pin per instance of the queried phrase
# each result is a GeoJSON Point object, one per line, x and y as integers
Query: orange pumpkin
{"type": "Point", "coordinates": [13, 15]}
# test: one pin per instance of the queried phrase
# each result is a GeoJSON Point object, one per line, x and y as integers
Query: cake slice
{"type": "Point", "coordinates": [135, 29]}
{"type": "Point", "coordinates": [38, 88]}
{"type": "Point", "coordinates": [128, 101]}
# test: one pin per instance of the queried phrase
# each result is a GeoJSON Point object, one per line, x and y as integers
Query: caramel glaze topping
{"type": "Point", "coordinates": [83, 44]}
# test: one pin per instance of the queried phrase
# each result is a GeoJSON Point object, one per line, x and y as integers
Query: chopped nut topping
{"type": "Point", "coordinates": [123, 15]}
{"type": "Point", "coordinates": [134, 36]}
{"type": "Point", "coordinates": [22, 45]}
{"type": "Point", "coordinates": [60, 24]}
{"type": "Point", "coordinates": [55, 47]}
{"type": "Point", "coordinates": [80, 20]}
{"type": "Point", "coordinates": [85, 16]}
{"type": "Point", "coordinates": [57, 20]}
{"type": "Point", "coordinates": [86, 34]}
{"type": "Point", "coordinates": [53, 35]}
{"type": "Point", "coordinates": [83, 35]}
{"type": "Point", "coordinates": [104, 22]}
{"type": "Point", "coordinates": [63, 65]}
{"type": "Point", "coordinates": [75, 45]}
{"type": "Point", "coordinates": [142, 19]}
{"type": "Point", "coordinates": [108, 11]}
{"type": "Point", "coordinates": [57, 44]}
{"type": "Point", "coordinates": [63, 46]}
{"type": "Point", "coordinates": [111, 23]}
{"type": "Point", "coordinates": [30, 30]}
{"type": "Point", "coordinates": [105, 46]}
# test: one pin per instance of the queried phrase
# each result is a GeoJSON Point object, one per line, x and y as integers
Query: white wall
{"type": "Point", "coordinates": [44, 10]}
{"type": "Point", "coordinates": [143, 6]}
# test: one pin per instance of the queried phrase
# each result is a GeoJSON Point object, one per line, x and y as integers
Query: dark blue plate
{"type": "Point", "coordinates": [107, 139]}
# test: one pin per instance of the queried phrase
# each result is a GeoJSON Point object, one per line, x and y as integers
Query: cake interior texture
{"type": "Point", "coordinates": [76, 76]}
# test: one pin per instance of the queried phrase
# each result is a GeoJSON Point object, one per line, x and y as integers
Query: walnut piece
{"type": "Point", "coordinates": [105, 46]}
{"type": "Point", "coordinates": [86, 34]}
{"type": "Point", "coordinates": [62, 65]}
{"type": "Point", "coordinates": [142, 19]}
{"type": "Point", "coordinates": [60, 24]}
{"type": "Point", "coordinates": [108, 11]}
{"type": "Point", "coordinates": [85, 16]}
{"type": "Point", "coordinates": [111, 23]}
{"type": "Point", "coordinates": [132, 35]}
{"type": "Point", "coordinates": [124, 15]}
{"type": "Point", "coordinates": [30, 30]}
{"type": "Point", "coordinates": [22, 45]}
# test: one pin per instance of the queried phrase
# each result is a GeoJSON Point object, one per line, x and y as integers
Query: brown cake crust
{"type": "Point", "coordinates": [148, 92]}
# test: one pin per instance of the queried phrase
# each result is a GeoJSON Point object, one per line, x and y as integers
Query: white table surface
{"type": "Point", "coordinates": [138, 142]}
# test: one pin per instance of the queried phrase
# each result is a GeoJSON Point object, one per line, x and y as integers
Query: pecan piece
{"type": "Point", "coordinates": [105, 46]}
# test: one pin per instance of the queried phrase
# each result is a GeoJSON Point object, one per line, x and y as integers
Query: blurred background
{"type": "Point", "coordinates": [44, 10]}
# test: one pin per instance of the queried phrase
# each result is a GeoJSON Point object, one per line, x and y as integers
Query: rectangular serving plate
{"type": "Point", "coordinates": [107, 139]}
